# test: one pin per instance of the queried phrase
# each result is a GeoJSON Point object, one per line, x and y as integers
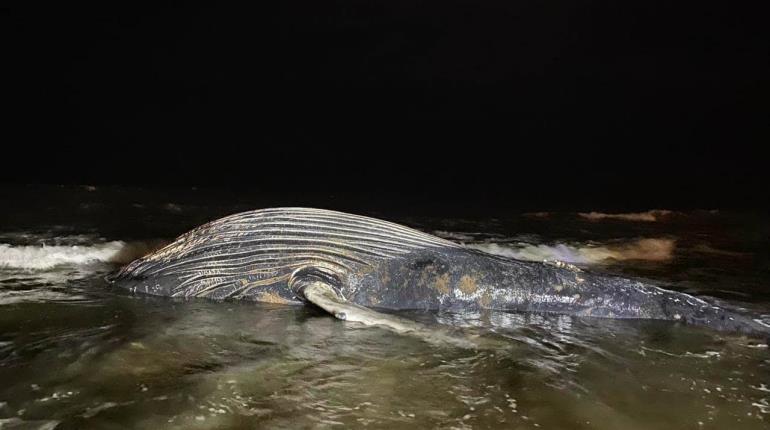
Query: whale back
{"type": "Point", "coordinates": [253, 254]}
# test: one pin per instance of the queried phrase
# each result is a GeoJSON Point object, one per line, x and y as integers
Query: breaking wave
{"type": "Point", "coordinates": [641, 249]}
{"type": "Point", "coordinates": [649, 216]}
{"type": "Point", "coordinates": [41, 257]}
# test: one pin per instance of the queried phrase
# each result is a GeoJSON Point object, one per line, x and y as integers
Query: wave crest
{"type": "Point", "coordinates": [43, 257]}
{"type": "Point", "coordinates": [649, 216]}
{"type": "Point", "coordinates": [659, 249]}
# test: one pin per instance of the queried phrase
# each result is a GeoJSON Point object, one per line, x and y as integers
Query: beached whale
{"type": "Point", "coordinates": [351, 265]}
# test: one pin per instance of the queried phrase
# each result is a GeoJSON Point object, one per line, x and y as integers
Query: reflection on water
{"type": "Point", "coordinates": [119, 361]}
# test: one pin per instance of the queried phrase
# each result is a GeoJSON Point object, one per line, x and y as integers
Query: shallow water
{"type": "Point", "coordinates": [76, 353]}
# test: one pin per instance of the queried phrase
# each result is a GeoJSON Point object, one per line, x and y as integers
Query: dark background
{"type": "Point", "coordinates": [470, 104]}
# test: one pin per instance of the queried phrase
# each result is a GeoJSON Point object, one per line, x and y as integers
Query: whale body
{"type": "Point", "coordinates": [352, 265]}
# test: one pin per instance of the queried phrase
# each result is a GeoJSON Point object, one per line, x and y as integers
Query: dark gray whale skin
{"type": "Point", "coordinates": [269, 255]}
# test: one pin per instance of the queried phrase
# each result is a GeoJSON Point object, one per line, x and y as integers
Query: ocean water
{"type": "Point", "coordinates": [77, 353]}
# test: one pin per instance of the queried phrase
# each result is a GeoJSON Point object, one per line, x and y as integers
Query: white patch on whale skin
{"type": "Point", "coordinates": [474, 297]}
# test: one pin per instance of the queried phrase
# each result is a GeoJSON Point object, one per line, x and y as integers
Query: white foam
{"type": "Point", "coordinates": [18, 423]}
{"type": "Point", "coordinates": [38, 295]}
{"type": "Point", "coordinates": [453, 235]}
{"type": "Point", "coordinates": [649, 216]}
{"type": "Point", "coordinates": [641, 249]}
{"type": "Point", "coordinates": [45, 257]}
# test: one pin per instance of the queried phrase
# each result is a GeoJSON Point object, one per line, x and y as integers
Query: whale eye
{"type": "Point", "coordinates": [341, 315]}
{"type": "Point", "coordinates": [422, 263]}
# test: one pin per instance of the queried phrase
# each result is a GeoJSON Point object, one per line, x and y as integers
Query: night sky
{"type": "Point", "coordinates": [532, 104]}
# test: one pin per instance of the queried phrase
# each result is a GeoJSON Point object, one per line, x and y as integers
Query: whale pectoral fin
{"type": "Point", "coordinates": [322, 288]}
{"type": "Point", "coordinates": [327, 298]}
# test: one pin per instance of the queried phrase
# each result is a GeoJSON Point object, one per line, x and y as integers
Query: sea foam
{"type": "Point", "coordinates": [649, 216]}
{"type": "Point", "coordinates": [41, 257]}
{"type": "Point", "coordinates": [660, 249]}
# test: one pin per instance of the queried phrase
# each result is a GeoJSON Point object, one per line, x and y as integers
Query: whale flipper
{"type": "Point", "coordinates": [325, 295]}
{"type": "Point", "coordinates": [326, 298]}
{"type": "Point", "coordinates": [322, 288]}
